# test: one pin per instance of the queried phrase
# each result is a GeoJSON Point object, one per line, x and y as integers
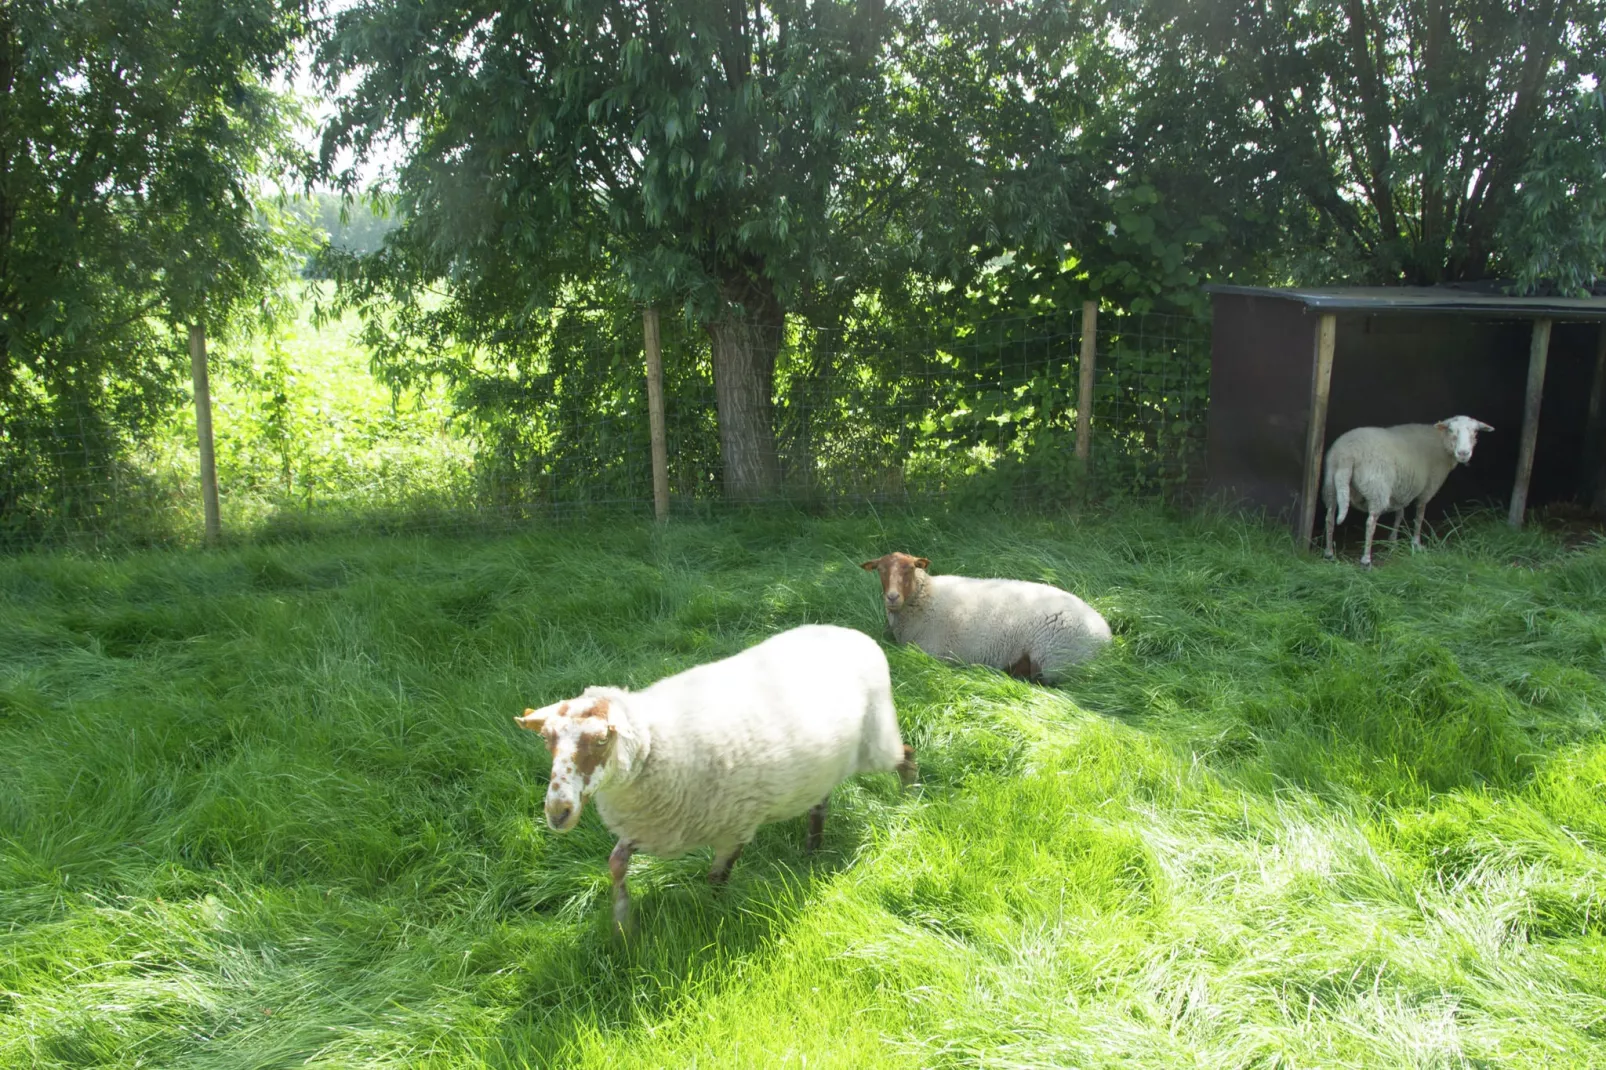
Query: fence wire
{"type": "Point", "coordinates": [555, 421]}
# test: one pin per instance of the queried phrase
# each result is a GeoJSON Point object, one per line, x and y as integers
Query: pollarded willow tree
{"type": "Point", "coordinates": [1385, 141]}
{"type": "Point", "coordinates": [684, 151]}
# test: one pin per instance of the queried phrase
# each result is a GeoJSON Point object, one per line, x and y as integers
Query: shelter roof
{"type": "Point", "coordinates": [1484, 300]}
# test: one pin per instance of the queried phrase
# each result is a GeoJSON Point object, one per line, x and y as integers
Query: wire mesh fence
{"type": "Point", "coordinates": [555, 421]}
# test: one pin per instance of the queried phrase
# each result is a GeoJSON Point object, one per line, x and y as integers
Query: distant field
{"type": "Point", "coordinates": [266, 807]}
{"type": "Point", "coordinates": [301, 426]}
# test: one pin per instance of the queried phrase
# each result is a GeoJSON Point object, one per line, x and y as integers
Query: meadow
{"type": "Point", "coordinates": [266, 806]}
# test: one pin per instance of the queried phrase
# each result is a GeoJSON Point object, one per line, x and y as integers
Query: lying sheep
{"type": "Point", "coordinates": [1388, 468]}
{"type": "Point", "coordinates": [1029, 630]}
{"type": "Point", "coordinates": [703, 758]}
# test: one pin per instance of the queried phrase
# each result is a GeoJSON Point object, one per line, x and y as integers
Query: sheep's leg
{"type": "Point", "coordinates": [1421, 511]}
{"type": "Point", "coordinates": [1023, 669]}
{"type": "Point", "coordinates": [816, 825]}
{"type": "Point", "coordinates": [1329, 552]}
{"type": "Point", "coordinates": [618, 867]}
{"type": "Point", "coordinates": [908, 769]}
{"type": "Point", "coordinates": [723, 861]}
{"type": "Point", "coordinates": [1399, 522]}
{"type": "Point", "coordinates": [1371, 529]}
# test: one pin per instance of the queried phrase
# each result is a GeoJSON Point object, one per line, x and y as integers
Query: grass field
{"type": "Point", "coordinates": [267, 807]}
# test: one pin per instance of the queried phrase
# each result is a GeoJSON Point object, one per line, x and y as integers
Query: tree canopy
{"type": "Point", "coordinates": [744, 160]}
{"type": "Point", "coordinates": [1385, 141]}
{"type": "Point", "coordinates": [132, 138]}
{"type": "Point", "coordinates": [680, 152]}
{"type": "Point", "coordinates": [747, 161]}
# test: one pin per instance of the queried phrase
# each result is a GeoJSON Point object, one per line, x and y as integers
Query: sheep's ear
{"type": "Point", "coordinates": [1482, 426]}
{"type": "Point", "coordinates": [871, 566]}
{"type": "Point", "coordinates": [535, 720]}
{"type": "Point", "coordinates": [1442, 426]}
{"type": "Point", "coordinates": [921, 562]}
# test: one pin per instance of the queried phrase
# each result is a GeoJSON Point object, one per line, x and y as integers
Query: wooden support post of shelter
{"type": "Point", "coordinates": [1084, 393]}
{"type": "Point", "coordinates": [1538, 352]}
{"type": "Point", "coordinates": [203, 433]}
{"type": "Point", "coordinates": [1316, 431]}
{"type": "Point", "coordinates": [655, 414]}
{"type": "Point", "coordinates": [1595, 432]}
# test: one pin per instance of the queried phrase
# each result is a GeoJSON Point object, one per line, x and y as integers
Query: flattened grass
{"type": "Point", "coordinates": [267, 807]}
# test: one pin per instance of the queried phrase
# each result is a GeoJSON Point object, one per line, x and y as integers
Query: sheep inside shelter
{"type": "Point", "coordinates": [1389, 468]}
{"type": "Point", "coordinates": [1290, 368]}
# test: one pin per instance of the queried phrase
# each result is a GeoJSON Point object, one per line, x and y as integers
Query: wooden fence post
{"type": "Point", "coordinates": [1316, 434]}
{"type": "Point", "coordinates": [1538, 353]}
{"type": "Point", "coordinates": [655, 414]}
{"type": "Point", "coordinates": [203, 433]}
{"type": "Point", "coordinates": [1084, 394]}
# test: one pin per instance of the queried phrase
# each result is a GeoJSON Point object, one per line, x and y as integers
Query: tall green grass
{"type": "Point", "coordinates": [267, 807]}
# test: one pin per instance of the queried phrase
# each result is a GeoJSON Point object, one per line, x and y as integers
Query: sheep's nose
{"type": "Point", "coordinates": [1463, 456]}
{"type": "Point", "coordinates": [893, 598]}
{"type": "Point", "coordinates": [558, 816]}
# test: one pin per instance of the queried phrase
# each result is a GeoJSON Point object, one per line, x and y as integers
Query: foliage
{"type": "Point", "coordinates": [679, 154]}
{"type": "Point", "coordinates": [1385, 141]}
{"type": "Point", "coordinates": [132, 138]}
{"type": "Point", "coordinates": [266, 806]}
{"type": "Point", "coordinates": [738, 162]}
{"type": "Point", "coordinates": [684, 151]}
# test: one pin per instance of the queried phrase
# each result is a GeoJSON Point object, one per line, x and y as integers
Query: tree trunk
{"type": "Point", "coordinates": [745, 339]}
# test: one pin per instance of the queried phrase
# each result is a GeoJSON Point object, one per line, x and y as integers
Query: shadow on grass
{"type": "Point", "coordinates": [691, 941]}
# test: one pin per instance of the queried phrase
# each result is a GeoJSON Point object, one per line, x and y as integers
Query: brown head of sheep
{"type": "Point", "coordinates": [900, 580]}
{"type": "Point", "coordinates": [580, 738]}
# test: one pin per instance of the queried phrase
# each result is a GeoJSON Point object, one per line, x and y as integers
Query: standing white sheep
{"type": "Point", "coordinates": [1388, 468]}
{"type": "Point", "coordinates": [1029, 630]}
{"type": "Point", "coordinates": [703, 758]}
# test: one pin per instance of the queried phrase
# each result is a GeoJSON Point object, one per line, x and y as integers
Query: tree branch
{"type": "Point", "coordinates": [1374, 162]}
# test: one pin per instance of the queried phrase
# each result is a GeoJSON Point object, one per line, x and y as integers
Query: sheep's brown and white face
{"type": "Point", "coordinates": [581, 738]}
{"type": "Point", "coordinates": [899, 581]}
{"type": "Point", "coordinates": [1461, 434]}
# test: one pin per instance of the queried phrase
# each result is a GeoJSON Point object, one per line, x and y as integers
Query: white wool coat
{"type": "Point", "coordinates": [999, 622]}
{"type": "Point", "coordinates": [707, 756]}
{"type": "Point", "coordinates": [1386, 468]}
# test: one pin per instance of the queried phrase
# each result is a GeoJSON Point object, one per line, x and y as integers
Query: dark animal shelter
{"type": "Point", "coordinates": [1291, 370]}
